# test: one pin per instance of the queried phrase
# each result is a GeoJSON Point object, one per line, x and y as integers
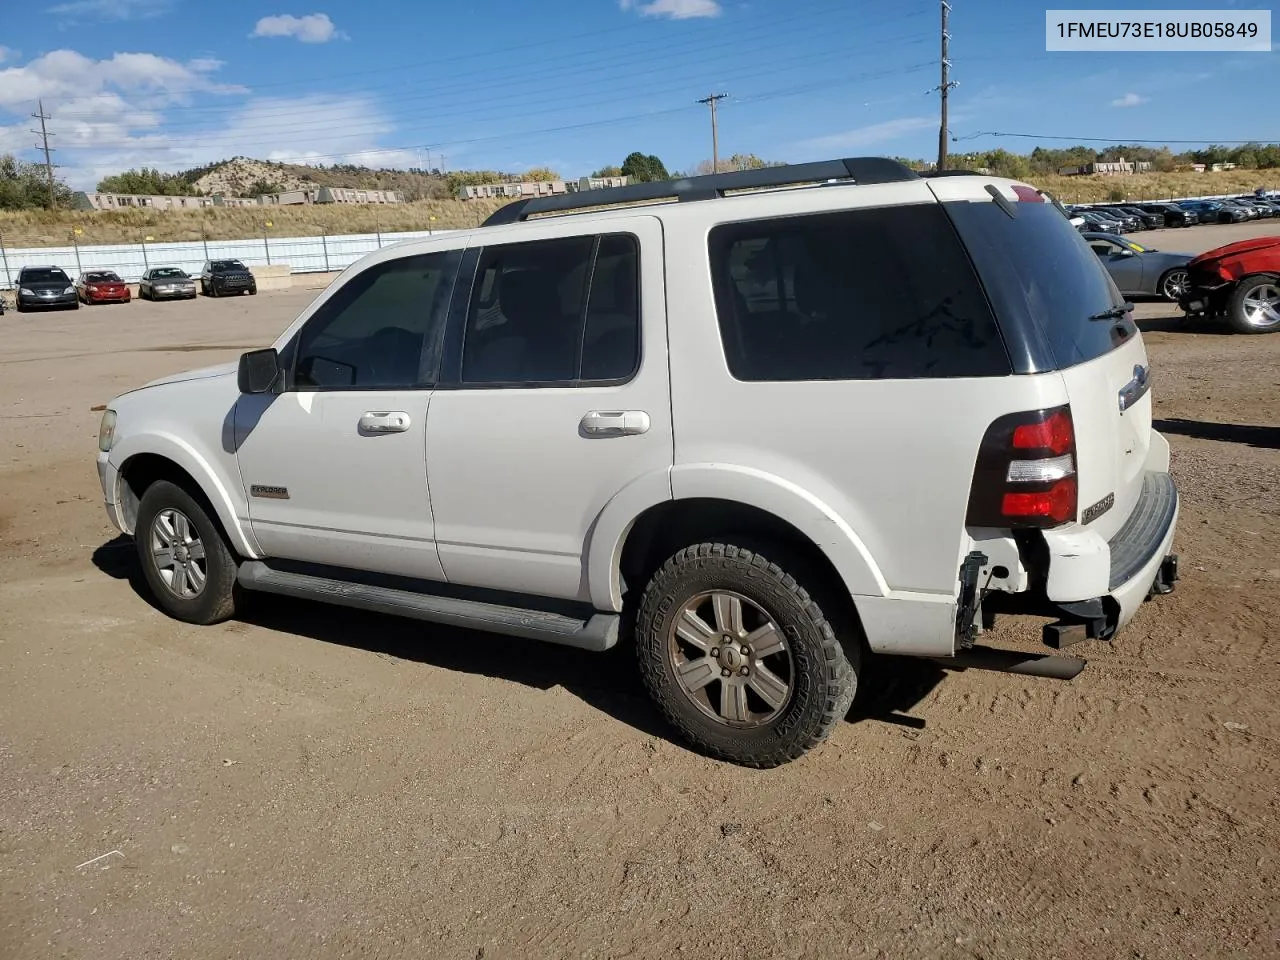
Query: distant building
{"type": "Point", "coordinates": [1107, 168]}
{"type": "Point", "coordinates": [1219, 167]}
{"type": "Point", "coordinates": [600, 183]}
{"type": "Point", "coordinates": [519, 189]}
{"type": "Point", "coordinates": [136, 201]}
{"type": "Point", "coordinates": [133, 201]}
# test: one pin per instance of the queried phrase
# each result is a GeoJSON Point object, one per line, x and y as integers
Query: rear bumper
{"type": "Point", "coordinates": [1093, 587]}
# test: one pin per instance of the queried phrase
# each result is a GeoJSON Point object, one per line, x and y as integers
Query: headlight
{"type": "Point", "coordinates": [26, 292]}
{"type": "Point", "coordinates": [69, 290]}
{"type": "Point", "coordinates": [107, 431]}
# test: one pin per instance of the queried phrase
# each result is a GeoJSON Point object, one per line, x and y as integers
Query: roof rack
{"type": "Point", "coordinates": [858, 169]}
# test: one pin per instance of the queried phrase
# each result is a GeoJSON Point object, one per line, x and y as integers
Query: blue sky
{"type": "Point", "coordinates": [577, 84]}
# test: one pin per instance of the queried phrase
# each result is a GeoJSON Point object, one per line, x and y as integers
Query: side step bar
{"type": "Point", "coordinates": [598, 632]}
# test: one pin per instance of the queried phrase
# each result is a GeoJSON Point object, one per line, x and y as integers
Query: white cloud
{"type": "Point", "coordinates": [673, 9]}
{"type": "Point", "coordinates": [7, 53]}
{"type": "Point", "coordinates": [860, 138]}
{"type": "Point", "coordinates": [112, 9]}
{"type": "Point", "coordinates": [313, 28]}
{"type": "Point", "coordinates": [63, 75]}
{"type": "Point", "coordinates": [1128, 100]}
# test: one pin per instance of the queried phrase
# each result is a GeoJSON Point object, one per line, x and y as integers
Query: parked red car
{"type": "Point", "coordinates": [102, 286]}
{"type": "Point", "coordinates": [1240, 282]}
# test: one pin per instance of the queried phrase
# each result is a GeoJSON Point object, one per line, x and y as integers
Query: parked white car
{"type": "Point", "coordinates": [783, 427]}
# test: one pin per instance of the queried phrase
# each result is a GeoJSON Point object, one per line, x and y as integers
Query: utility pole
{"type": "Point", "coordinates": [945, 86]}
{"type": "Point", "coordinates": [44, 136]}
{"type": "Point", "coordinates": [711, 101]}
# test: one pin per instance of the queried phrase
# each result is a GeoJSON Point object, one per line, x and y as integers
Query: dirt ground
{"type": "Point", "coordinates": [314, 782]}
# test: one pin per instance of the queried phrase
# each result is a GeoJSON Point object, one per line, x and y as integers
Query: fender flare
{"type": "Point", "coordinates": [748, 486]}
{"type": "Point", "coordinates": [185, 456]}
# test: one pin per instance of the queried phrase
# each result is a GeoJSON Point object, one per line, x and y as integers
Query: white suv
{"type": "Point", "coordinates": [781, 428]}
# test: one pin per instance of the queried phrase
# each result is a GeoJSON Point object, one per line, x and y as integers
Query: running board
{"type": "Point", "coordinates": [1012, 661]}
{"type": "Point", "coordinates": [598, 632]}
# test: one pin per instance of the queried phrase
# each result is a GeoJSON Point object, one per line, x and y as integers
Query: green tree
{"type": "Point", "coordinates": [609, 171]}
{"type": "Point", "coordinates": [25, 186]}
{"type": "Point", "coordinates": [260, 186]}
{"type": "Point", "coordinates": [541, 173]}
{"type": "Point", "coordinates": [146, 181]}
{"type": "Point", "coordinates": [643, 168]}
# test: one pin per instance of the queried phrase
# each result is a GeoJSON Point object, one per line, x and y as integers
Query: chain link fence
{"type": "Point", "coordinates": [317, 254]}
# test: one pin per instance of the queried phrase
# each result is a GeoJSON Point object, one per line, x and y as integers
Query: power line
{"type": "Point", "coordinates": [1116, 141]}
{"type": "Point", "coordinates": [44, 135]}
{"type": "Point", "coordinates": [711, 101]}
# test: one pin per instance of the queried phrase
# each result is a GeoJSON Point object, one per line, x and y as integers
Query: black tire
{"type": "Point", "coordinates": [1258, 286]}
{"type": "Point", "coordinates": [1169, 281]}
{"type": "Point", "coordinates": [253, 291]}
{"type": "Point", "coordinates": [822, 675]}
{"type": "Point", "coordinates": [215, 601]}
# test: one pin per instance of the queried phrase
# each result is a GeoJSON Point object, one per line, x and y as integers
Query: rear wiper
{"type": "Point", "coordinates": [1115, 313]}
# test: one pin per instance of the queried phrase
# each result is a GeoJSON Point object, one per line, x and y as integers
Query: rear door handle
{"type": "Point", "coordinates": [614, 423]}
{"type": "Point", "coordinates": [382, 421]}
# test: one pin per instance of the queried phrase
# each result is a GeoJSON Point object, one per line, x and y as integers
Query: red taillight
{"type": "Point", "coordinates": [1025, 474]}
{"type": "Point", "coordinates": [1055, 434]}
{"type": "Point", "coordinates": [1058, 503]}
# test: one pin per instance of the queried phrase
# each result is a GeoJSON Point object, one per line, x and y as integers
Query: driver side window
{"type": "Point", "coordinates": [1103, 248]}
{"type": "Point", "coordinates": [382, 330]}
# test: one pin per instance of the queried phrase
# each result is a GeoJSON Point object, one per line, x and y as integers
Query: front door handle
{"type": "Point", "coordinates": [614, 423]}
{"type": "Point", "coordinates": [383, 421]}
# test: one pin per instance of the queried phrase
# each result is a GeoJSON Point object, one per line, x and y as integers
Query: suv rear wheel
{"type": "Point", "coordinates": [740, 658]}
{"type": "Point", "coordinates": [184, 556]}
{"type": "Point", "coordinates": [1254, 306]}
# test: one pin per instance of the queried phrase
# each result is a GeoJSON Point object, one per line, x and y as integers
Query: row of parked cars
{"type": "Point", "coordinates": [1121, 218]}
{"type": "Point", "coordinates": [51, 287]}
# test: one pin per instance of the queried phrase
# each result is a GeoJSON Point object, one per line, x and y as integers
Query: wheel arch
{"type": "Point", "coordinates": [163, 458]}
{"type": "Point", "coordinates": [650, 520]}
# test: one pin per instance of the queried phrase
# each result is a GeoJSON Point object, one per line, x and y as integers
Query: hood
{"type": "Point", "coordinates": [1239, 248]}
{"type": "Point", "coordinates": [204, 373]}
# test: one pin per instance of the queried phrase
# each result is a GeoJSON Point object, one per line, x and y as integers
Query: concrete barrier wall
{"type": "Point", "coordinates": [294, 254]}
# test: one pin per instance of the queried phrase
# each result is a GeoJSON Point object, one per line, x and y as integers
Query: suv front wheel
{"type": "Point", "coordinates": [186, 560]}
{"type": "Point", "coordinates": [740, 658]}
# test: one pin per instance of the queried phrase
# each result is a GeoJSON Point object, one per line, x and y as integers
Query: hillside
{"type": "Point", "coordinates": [234, 178]}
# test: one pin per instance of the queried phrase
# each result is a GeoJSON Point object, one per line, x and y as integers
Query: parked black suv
{"type": "Point", "coordinates": [1148, 219]}
{"type": "Point", "coordinates": [1174, 215]}
{"type": "Point", "coordinates": [45, 287]}
{"type": "Point", "coordinates": [222, 277]}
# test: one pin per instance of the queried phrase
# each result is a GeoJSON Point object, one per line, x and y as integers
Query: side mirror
{"type": "Point", "coordinates": [259, 371]}
{"type": "Point", "coordinates": [1126, 252]}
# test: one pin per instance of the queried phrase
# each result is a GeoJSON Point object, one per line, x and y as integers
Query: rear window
{"type": "Point", "coordinates": [884, 293]}
{"type": "Point", "coordinates": [44, 275]}
{"type": "Point", "coordinates": [1038, 270]}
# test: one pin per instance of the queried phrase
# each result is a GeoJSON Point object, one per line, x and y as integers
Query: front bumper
{"type": "Point", "coordinates": [109, 478]}
{"type": "Point", "coordinates": [108, 297]}
{"type": "Point", "coordinates": [61, 300]}
{"type": "Point", "coordinates": [178, 293]}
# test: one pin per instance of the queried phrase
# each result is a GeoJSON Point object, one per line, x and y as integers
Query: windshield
{"type": "Point", "coordinates": [44, 275]}
{"type": "Point", "coordinates": [168, 273]}
{"type": "Point", "coordinates": [225, 266]}
{"type": "Point", "coordinates": [102, 277]}
{"type": "Point", "coordinates": [1036, 267]}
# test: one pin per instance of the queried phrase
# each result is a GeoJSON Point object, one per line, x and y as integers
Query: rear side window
{"type": "Point", "coordinates": [1039, 273]}
{"type": "Point", "coordinates": [558, 312]}
{"type": "Point", "coordinates": [884, 293]}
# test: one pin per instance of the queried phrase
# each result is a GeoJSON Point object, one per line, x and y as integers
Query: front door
{"type": "Point", "coordinates": [334, 467]}
{"type": "Point", "coordinates": [557, 398]}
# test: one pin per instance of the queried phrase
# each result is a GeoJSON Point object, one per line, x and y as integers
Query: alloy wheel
{"type": "Point", "coordinates": [731, 659]}
{"type": "Point", "coordinates": [178, 553]}
{"type": "Point", "coordinates": [1176, 284]}
{"type": "Point", "coordinates": [1262, 306]}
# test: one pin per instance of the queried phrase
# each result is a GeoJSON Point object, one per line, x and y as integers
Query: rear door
{"type": "Point", "coordinates": [1056, 300]}
{"type": "Point", "coordinates": [558, 398]}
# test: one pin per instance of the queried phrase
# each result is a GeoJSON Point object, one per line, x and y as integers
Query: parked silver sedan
{"type": "Point", "coordinates": [164, 283]}
{"type": "Point", "coordinates": [1140, 270]}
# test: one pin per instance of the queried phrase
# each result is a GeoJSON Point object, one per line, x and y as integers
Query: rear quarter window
{"type": "Point", "coordinates": [884, 293]}
{"type": "Point", "coordinates": [1043, 282]}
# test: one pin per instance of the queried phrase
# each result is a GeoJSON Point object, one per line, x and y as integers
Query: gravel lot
{"type": "Point", "coordinates": [317, 782]}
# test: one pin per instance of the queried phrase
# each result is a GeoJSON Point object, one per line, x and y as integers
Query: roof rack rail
{"type": "Point", "coordinates": [857, 169]}
{"type": "Point", "coordinates": [951, 173]}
